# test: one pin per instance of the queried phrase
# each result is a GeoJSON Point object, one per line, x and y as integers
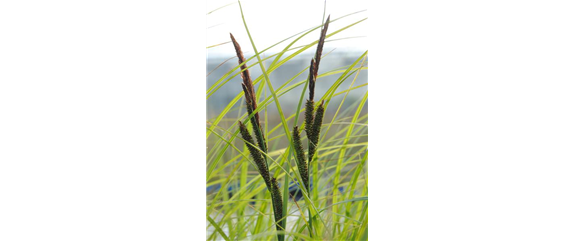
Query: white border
{"type": "Point", "coordinates": [473, 135]}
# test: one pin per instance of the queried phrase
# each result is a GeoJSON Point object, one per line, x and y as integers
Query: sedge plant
{"type": "Point", "coordinates": [313, 120]}
{"type": "Point", "coordinates": [259, 155]}
{"type": "Point", "coordinates": [251, 160]}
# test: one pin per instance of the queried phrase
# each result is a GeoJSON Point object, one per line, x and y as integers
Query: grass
{"type": "Point", "coordinates": [264, 188]}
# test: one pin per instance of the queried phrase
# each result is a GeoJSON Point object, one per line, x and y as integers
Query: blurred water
{"type": "Point", "coordinates": [227, 92]}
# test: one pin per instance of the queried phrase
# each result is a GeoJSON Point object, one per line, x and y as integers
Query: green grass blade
{"type": "Point", "coordinates": [217, 228]}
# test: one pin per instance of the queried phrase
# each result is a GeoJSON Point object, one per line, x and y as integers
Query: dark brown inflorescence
{"type": "Point", "coordinates": [301, 163]}
{"type": "Point", "coordinates": [259, 155]}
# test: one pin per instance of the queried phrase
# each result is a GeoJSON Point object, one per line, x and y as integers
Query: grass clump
{"type": "Point", "coordinates": [263, 182]}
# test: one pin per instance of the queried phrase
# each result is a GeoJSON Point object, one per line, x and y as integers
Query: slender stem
{"type": "Point", "coordinates": [309, 209]}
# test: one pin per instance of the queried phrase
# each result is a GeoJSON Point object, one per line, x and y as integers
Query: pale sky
{"type": "Point", "coordinates": [272, 21]}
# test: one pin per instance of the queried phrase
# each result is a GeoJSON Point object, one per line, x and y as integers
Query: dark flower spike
{"type": "Point", "coordinates": [316, 130]}
{"type": "Point", "coordinates": [256, 126]}
{"type": "Point", "coordinates": [312, 79]}
{"type": "Point", "coordinates": [301, 162]}
{"type": "Point", "coordinates": [277, 203]}
{"type": "Point", "coordinates": [313, 72]}
{"type": "Point", "coordinates": [248, 89]}
{"type": "Point", "coordinates": [256, 154]}
{"type": "Point", "coordinates": [250, 99]}
{"type": "Point", "coordinates": [320, 46]}
{"type": "Point", "coordinates": [309, 109]}
{"type": "Point", "coordinates": [244, 71]}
